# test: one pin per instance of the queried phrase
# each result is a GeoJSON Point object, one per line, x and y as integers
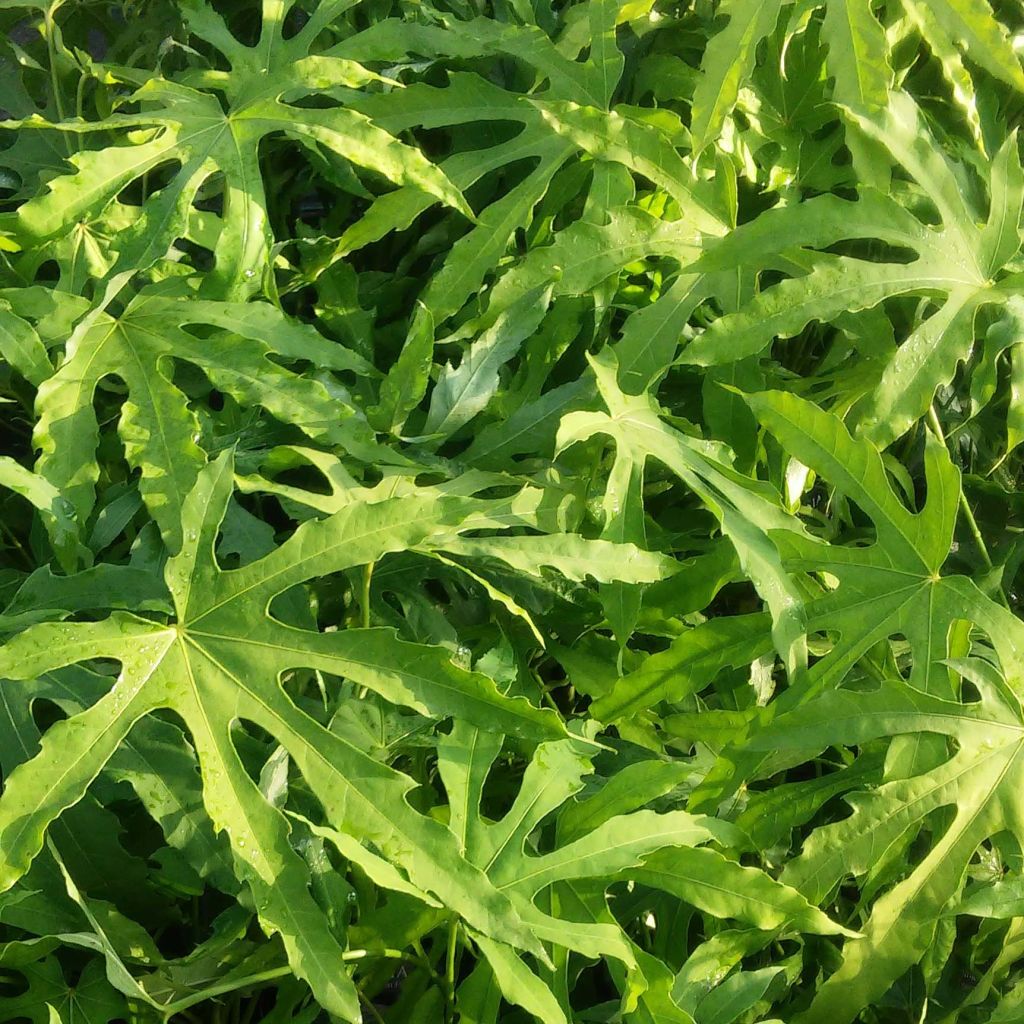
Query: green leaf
{"type": "Point", "coordinates": [616, 843]}
{"type": "Point", "coordinates": [744, 510]}
{"type": "Point", "coordinates": [894, 584]}
{"type": "Point", "coordinates": [159, 428]}
{"type": "Point", "coordinates": [857, 53]}
{"type": "Point", "coordinates": [406, 381]}
{"type": "Point", "coordinates": [999, 900]}
{"type": "Point", "coordinates": [728, 60]}
{"type": "Point", "coordinates": [960, 262]}
{"type": "Point", "coordinates": [21, 347]}
{"type": "Point", "coordinates": [183, 122]}
{"type": "Point", "coordinates": [641, 147]}
{"type": "Point", "coordinates": [690, 662]}
{"type": "Point", "coordinates": [511, 511]}
{"type": "Point", "coordinates": [43, 595]}
{"type": "Point", "coordinates": [721, 887]}
{"type": "Point", "coordinates": [54, 508]}
{"type": "Point", "coordinates": [461, 392]}
{"type": "Point", "coordinates": [201, 666]}
{"type": "Point", "coordinates": [972, 26]}
{"type": "Point", "coordinates": [977, 781]}
{"type": "Point", "coordinates": [736, 996]}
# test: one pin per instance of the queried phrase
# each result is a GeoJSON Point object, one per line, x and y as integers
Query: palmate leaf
{"type": "Point", "coordinates": [88, 836]}
{"type": "Point", "coordinates": [564, 246]}
{"type": "Point", "coordinates": [579, 258]}
{"type": "Point", "coordinates": [894, 586]}
{"type": "Point", "coordinates": [961, 262]}
{"type": "Point", "coordinates": [644, 148]}
{"type": "Point", "coordinates": [890, 588]}
{"type": "Point", "coordinates": [980, 784]}
{"type": "Point", "coordinates": [158, 426]}
{"type": "Point", "coordinates": [183, 123]}
{"type": "Point", "coordinates": [213, 669]}
{"type": "Point", "coordinates": [590, 81]}
{"type": "Point", "coordinates": [49, 998]}
{"type": "Point", "coordinates": [857, 60]}
{"type": "Point", "coordinates": [745, 509]}
{"type": "Point", "coordinates": [728, 60]}
{"type": "Point", "coordinates": [971, 27]}
{"type": "Point", "coordinates": [585, 254]}
{"type": "Point", "coordinates": [470, 99]}
{"type": "Point", "coordinates": [156, 760]}
{"type": "Point", "coordinates": [664, 851]}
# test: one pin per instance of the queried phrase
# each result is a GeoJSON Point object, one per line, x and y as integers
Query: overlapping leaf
{"type": "Point", "coordinates": [182, 124]}
{"type": "Point", "coordinates": [960, 261]}
{"type": "Point", "coordinates": [511, 511]}
{"type": "Point", "coordinates": [206, 666]}
{"type": "Point", "coordinates": [159, 430]}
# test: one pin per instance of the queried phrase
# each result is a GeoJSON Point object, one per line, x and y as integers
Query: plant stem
{"type": "Point", "coordinates": [10, 534]}
{"type": "Point", "coordinates": [374, 1012]}
{"type": "Point", "coordinates": [364, 610]}
{"type": "Point", "coordinates": [365, 597]}
{"type": "Point", "coordinates": [280, 972]}
{"type": "Point", "coordinates": [972, 523]}
{"type": "Point", "coordinates": [449, 973]}
{"type": "Point", "coordinates": [965, 507]}
{"type": "Point", "coordinates": [51, 51]}
{"type": "Point", "coordinates": [80, 95]}
{"type": "Point", "coordinates": [229, 986]}
{"type": "Point", "coordinates": [381, 954]}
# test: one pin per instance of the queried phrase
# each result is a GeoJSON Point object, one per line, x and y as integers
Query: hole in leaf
{"type": "Point", "coordinates": [46, 713]}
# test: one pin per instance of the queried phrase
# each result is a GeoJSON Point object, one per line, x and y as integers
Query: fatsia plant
{"type": "Point", "coordinates": [182, 125]}
{"type": "Point", "coordinates": [962, 261]}
{"type": "Point", "coordinates": [859, 57]}
{"type": "Point", "coordinates": [978, 784]}
{"type": "Point", "coordinates": [663, 851]}
{"type": "Point", "coordinates": [873, 593]}
{"type": "Point", "coordinates": [192, 666]}
{"type": "Point", "coordinates": [160, 431]}
{"type": "Point", "coordinates": [511, 512]}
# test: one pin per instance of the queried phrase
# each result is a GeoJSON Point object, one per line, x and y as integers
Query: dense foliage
{"type": "Point", "coordinates": [511, 511]}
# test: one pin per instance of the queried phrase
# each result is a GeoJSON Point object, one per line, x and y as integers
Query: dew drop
{"type": "Point", "coordinates": [250, 274]}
